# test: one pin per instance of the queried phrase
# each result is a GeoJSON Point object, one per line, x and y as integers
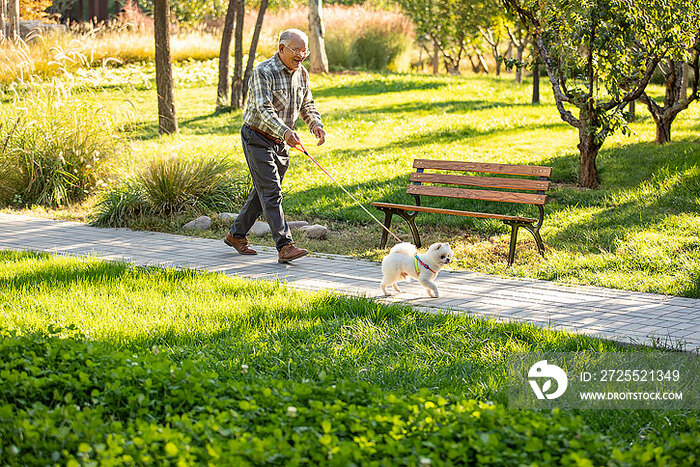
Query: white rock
{"type": "Point", "coordinates": [297, 224]}
{"type": "Point", "coordinates": [314, 231]}
{"type": "Point", "coordinates": [200, 223]}
{"type": "Point", "coordinates": [228, 216]}
{"type": "Point", "coordinates": [260, 229]}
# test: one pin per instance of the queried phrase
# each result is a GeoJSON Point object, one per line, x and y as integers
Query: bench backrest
{"type": "Point", "coordinates": [488, 188]}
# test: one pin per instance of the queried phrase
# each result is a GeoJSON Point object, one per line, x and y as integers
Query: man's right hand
{"type": "Point", "coordinates": [291, 138]}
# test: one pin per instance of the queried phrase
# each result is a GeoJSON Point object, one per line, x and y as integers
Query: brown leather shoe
{"type": "Point", "coordinates": [289, 252]}
{"type": "Point", "coordinates": [240, 244]}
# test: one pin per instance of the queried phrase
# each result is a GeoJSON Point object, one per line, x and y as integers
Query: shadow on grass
{"type": "Point", "coordinates": [217, 123]}
{"type": "Point", "coordinates": [442, 107]}
{"type": "Point", "coordinates": [205, 124]}
{"type": "Point", "coordinates": [654, 182]}
{"type": "Point", "coordinates": [324, 339]}
{"type": "Point", "coordinates": [304, 336]}
{"type": "Point", "coordinates": [387, 84]}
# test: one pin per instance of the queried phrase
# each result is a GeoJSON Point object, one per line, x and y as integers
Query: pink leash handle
{"type": "Point", "coordinates": [300, 147]}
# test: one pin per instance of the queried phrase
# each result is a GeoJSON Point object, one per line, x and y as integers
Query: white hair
{"type": "Point", "coordinates": [287, 35]}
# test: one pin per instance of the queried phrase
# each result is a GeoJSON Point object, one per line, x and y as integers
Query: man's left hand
{"type": "Point", "coordinates": [320, 133]}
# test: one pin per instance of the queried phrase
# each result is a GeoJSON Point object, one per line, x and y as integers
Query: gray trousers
{"type": "Point", "coordinates": [268, 162]}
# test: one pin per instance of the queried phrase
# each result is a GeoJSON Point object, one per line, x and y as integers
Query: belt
{"type": "Point", "coordinates": [262, 133]}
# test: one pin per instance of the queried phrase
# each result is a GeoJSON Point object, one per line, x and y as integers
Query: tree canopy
{"type": "Point", "coordinates": [452, 25]}
{"type": "Point", "coordinates": [600, 55]}
{"type": "Point", "coordinates": [33, 9]}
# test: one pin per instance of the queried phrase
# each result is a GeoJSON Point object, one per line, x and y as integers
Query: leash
{"type": "Point", "coordinates": [300, 147]}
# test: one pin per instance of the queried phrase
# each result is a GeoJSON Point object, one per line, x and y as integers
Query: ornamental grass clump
{"type": "Point", "coordinates": [173, 186]}
{"type": "Point", "coordinates": [79, 51]}
{"type": "Point", "coordinates": [54, 147]}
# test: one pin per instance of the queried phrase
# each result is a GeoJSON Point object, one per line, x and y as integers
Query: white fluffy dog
{"type": "Point", "coordinates": [403, 261]}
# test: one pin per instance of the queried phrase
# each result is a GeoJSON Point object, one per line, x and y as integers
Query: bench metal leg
{"type": "Point", "coordinates": [387, 224]}
{"type": "Point", "coordinates": [409, 218]}
{"type": "Point", "coordinates": [412, 225]}
{"type": "Point", "coordinates": [513, 238]}
{"type": "Point", "coordinates": [536, 233]}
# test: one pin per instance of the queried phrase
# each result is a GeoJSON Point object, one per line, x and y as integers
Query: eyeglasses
{"type": "Point", "coordinates": [299, 52]}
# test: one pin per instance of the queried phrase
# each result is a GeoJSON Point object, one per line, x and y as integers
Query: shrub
{"type": "Point", "coordinates": [338, 51]}
{"type": "Point", "coordinates": [380, 47]}
{"type": "Point", "coordinates": [344, 26]}
{"type": "Point", "coordinates": [54, 147]}
{"type": "Point", "coordinates": [171, 186]}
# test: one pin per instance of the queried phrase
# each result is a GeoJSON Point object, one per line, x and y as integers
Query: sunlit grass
{"type": "Point", "coordinates": [221, 323]}
{"type": "Point", "coordinates": [266, 325]}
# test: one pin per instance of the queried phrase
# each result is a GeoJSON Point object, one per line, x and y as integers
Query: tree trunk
{"type": "Point", "coordinates": [685, 81]}
{"type": "Point", "coordinates": [13, 20]}
{"type": "Point", "coordinates": [509, 51]}
{"type": "Point", "coordinates": [498, 62]}
{"type": "Point", "coordinates": [674, 101]}
{"type": "Point", "coordinates": [663, 128]}
{"type": "Point", "coordinates": [519, 70]}
{"type": "Point", "coordinates": [224, 53]}
{"type": "Point", "coordinates": [632, 111]}
{"type": "Point", "coordinates": [319, 61]}
{"type": "Point", "coordinates": [167, 121]}
{"type": "Point", "coordinates": [588, 151]}
{"type": "Point", "coordinates": [536, 82]}
{"type": "Point", "coordinates": [253, 48]}
{"type": "Point", "coordinates": [436, 58]}
{"type": "Point", "coordinates": [237, 80]}
{"type": "Point", "coordinates": [451, 67]}
{"type": "Point", "coordinates": [482, 61]}
{"type": "Point", "coordinates": [3, 21]}
{"type": "Point", "coordinates": [476, 66]}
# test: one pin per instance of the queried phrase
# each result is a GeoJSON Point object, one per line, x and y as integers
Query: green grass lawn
{"type": "Point", "coordinates": [101, 362]}
{"type": "Point", "coordinates": [638, 232]}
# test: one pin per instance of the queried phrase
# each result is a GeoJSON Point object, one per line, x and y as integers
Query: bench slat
{"type": "Point", "coordinates": [490, 182]}
{"type": "Point", "coordinates": [484, 167]}
{"type": "Point", "coordinates": [454, 212]}
{"type": "Point", "coordinates": [484, 195]}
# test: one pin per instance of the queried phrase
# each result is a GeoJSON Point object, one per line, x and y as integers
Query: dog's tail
{"type": "Point", "coordinates": [404, 249]}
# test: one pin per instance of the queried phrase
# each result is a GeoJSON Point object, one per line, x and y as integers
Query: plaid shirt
{"type": "Point", "coordinates": [278, 96]}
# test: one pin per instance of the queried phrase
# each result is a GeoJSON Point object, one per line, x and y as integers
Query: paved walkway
{"type": "Point", "coordinates": [620, 315]}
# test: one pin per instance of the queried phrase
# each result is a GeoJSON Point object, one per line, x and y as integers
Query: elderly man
{"type": "Point", "coordinates": [279, 94]}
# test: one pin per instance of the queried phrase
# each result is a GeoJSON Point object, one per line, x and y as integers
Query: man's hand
{"type": "Point", "coordinates": [320, 133]}
{"type": "Point", "coordinates": [291, 138]}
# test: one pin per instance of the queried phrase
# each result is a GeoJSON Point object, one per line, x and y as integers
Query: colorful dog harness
{"type": "Point", "coordinates": [417, 261]}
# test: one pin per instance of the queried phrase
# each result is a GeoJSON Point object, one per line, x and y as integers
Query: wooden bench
{"type": "Point", "coordinates": [516, 188]}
